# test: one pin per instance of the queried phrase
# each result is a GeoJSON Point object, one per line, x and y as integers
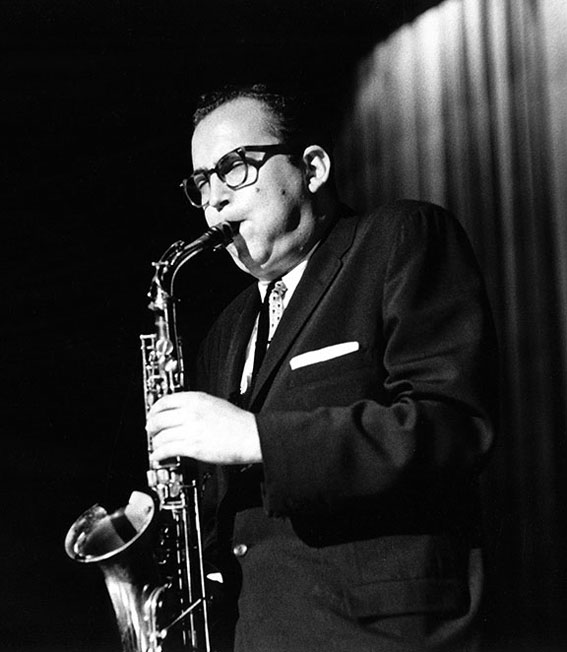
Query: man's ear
{"type": "Point", "coordinates": [317, 164]}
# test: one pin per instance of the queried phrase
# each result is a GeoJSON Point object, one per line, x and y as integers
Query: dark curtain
{"type": "Point", "coordinates": [466, 107]}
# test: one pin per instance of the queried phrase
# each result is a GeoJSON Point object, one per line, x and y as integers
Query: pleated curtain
{"type": "Point", "coordinates": [467, 107]}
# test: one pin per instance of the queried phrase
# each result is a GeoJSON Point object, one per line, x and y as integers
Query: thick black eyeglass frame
{"type": "Point", "coordinates": [268, 150]}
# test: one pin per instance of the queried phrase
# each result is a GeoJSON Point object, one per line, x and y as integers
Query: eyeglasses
{"type": "Point", "coordinates": [236, 169]}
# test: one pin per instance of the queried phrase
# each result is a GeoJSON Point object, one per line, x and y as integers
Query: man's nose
{"type": "Point", "coordinates": [219, 193]}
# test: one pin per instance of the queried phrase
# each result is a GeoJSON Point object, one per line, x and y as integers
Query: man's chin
{"type": "Point", "coordinates": [239, 262]}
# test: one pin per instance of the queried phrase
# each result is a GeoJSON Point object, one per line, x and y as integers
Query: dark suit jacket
{"type": "Point", "coordinates": [370, 457]}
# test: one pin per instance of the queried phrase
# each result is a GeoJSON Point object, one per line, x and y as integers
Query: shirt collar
{"type": "Point", "coordinates": [291, 279]}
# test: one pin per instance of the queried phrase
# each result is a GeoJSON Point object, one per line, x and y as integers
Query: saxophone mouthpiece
{"type": "Point", "coordinates": [217, 237]}
{"type": "Point", "coordinates": [226, 231]}
{"type": "Point", "coordinates": [234, 227]}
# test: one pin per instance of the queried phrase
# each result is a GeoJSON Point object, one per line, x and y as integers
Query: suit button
{"type": "Point", "coordinates": [240, 550]}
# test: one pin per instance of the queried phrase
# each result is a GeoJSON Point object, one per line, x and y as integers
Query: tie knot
{"type": "Point", "coordinates": [278, 289]}
{"type": "Point", "coordinates": [276, 306]}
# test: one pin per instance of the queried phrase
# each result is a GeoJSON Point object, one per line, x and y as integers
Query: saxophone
{"type": "Point", "coordinates": [150, 551]}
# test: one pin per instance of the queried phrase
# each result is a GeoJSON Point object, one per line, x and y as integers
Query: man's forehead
{"type": "Point", "coordinates": [238, 123]}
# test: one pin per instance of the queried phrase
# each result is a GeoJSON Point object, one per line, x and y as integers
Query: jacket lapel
{"type": "Point", "coordinates": [239, 339]}
{"type": "Point", "coordinates": [322, 269]}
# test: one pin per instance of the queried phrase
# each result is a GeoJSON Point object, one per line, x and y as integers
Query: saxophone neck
{"type": "Point", "coordinates": [178, 254]}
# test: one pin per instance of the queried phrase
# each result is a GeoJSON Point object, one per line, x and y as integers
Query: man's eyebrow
{"type": "Point", "coordinates": [208, 170]}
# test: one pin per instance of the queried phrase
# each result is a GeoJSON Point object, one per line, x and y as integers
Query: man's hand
{"type": "Point", "coordinates": [206, 428]}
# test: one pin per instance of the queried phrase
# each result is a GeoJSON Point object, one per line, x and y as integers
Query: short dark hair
{"type": "Point", "coordinates": [297, 120]}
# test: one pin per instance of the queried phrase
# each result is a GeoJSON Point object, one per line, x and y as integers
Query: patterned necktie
{"type": "Point", "coordinates": [275, 301]}
{"type": "Point", "coordinates": [268, 319]}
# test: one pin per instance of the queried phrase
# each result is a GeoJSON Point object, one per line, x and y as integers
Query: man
{"type": "Point", "coordinates": [346, 466]}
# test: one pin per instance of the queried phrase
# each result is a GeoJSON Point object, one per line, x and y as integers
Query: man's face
{"type": "Point", "coordinates": [276, 224]}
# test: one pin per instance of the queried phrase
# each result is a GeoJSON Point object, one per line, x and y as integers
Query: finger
{"type": "Point", "coordinates": [165, 420]}
{"type": "Point", "coordinates": [173, 401]}
{"type": "Point", "coordinates": [169, 402]}
{"type": "Point", "coordinates": [176, 448]}
{"type": "Point", "coordinates": [169, 436]}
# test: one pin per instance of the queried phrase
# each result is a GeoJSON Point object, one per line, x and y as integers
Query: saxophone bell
{"type": "Point", "coordinates": [121, 543]}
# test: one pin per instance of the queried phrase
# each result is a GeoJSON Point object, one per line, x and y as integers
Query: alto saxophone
{"type": "Point", "coordinates": [150, 551]}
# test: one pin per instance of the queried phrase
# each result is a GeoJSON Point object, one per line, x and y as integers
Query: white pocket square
{"type": "Point", "coordinates": [320, 355]}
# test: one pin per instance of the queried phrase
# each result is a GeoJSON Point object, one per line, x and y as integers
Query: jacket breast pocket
{"type": "Point", "coordinates": [338, 381]}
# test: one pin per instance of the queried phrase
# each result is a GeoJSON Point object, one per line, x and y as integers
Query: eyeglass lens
{"type": "Point", "coordinates": [232, 169]}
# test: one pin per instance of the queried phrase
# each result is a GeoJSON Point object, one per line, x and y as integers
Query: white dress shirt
{"type": "Point", "coordinates": [291, 280]}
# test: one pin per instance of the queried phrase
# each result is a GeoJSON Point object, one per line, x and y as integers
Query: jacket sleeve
{"type": "Point", "coordinates": [434, 424]}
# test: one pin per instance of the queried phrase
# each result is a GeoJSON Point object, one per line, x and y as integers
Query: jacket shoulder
{"type": "Point", "coordinates": [412, 221]}
{"type": "Point", "coordinates": [407, 211]}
